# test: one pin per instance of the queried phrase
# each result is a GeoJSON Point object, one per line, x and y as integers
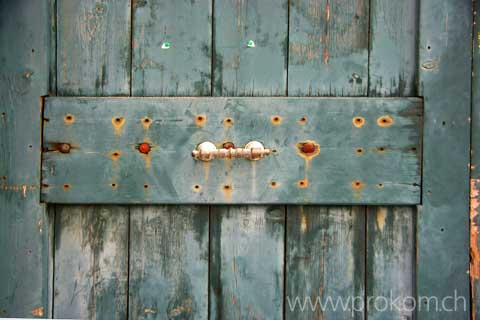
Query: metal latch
{"type": "Point", "coordinates": [207, 151]}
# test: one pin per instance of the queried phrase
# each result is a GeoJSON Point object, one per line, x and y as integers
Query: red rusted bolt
{"type": "Point", "coordinates": [228, 145]}
{"type": "Point", "coordinates": [144, 147]}
{"type": "Point", "coordinates": [64, 148]}
{"type": "Point", "coordinates": [308, 147]}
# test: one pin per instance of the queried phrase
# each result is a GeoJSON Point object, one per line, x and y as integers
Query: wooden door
{"type": "Point", "coordinates": [122, 249]}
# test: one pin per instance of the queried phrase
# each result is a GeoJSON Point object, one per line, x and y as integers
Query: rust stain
{"type": "Point", "coordinates": [385, 121]}
{"type": "Point", "coordinates": [196, 188]}
{"type": "Point", "coordinates": [358, 122]}
{"type": "Point", "coordinates": [302, 183]}
{"type": "Point", "coordinates": [380, 186]}
{"type": "Point", "coordinates": [69, 119]}
{"type": "Point", "coordinates": [114, 185]}
{"type": "Point", "coordinates": [228, 122]}
{"type": "Point", "coordinates": [357, 187]}
{"type": "Point", "coordinates": [302, 121]}
{"type": "Point", "coordinates": [381, 217]}
{"type": "Point", "coordinates": [474, 233]}
{"type": "Point", "coordinates": [115, 155]}
{"type": "Point", "coordinates": [146, 123]}
{"type": "Point", "coordinates": [206, 171]}
{"type": "Point", "coordinates": [38, 312]}
{"type": "Point", "coordinates": [200, 120]}
{"type": "Point", "coordinates": [307, 156]}
{"type": "Point", "coordinates": [227, 191]}
{"type": "Point", "coordinates": [66, 187]}
{"type": "Point", "coordinates": [274, 184]}
{"type": "Point", "coordinates": [276, 120]}
{"type": "Point", "coordinates": [380, 150]}
{"type": "Point", "coordinates": [24, 191]}
{"type": "Point", "coordinates": [118, 123]}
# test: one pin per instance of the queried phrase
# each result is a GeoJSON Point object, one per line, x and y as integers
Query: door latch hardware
{"type": "Point", "coordinates": [207, 151]}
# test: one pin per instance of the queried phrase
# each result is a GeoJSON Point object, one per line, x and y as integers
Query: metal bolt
{"type": "Point", "coordinates": [64, 148]}
{"type": "Point", "coordinates": [308, 147]}
{"type": "Point", "coordinates": [144, 147]}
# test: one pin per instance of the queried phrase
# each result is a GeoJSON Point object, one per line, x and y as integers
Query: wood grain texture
{"type": "Point", "coordinates": [91, 262]}
{"type": "Point", "coordinates": [390, 230]}
{"type": "Point", "coordinates": [93, 47]}
{"type": "Point", "coordinates": [247, 250]}
{"type": "Point", "coordinates": [393, 48]}
{"type": "Point", "coordinates": [325, 261]}
{"type": "Point", "coordinates": [240, 70]}
{"type": "Point", "coordinates": [445, 82]}
{"type": "Point", "coordinates": [169, 262]}
{"type": "Point", "coordinates": [185, 68]}
{"type": "Point", "coordinates": [391, 261]}
{"type": "Point", "coordinates": [24, 65]}
{"type": "Point", "coordinates": [328, 48]}
{"type": "Point", "coordinates": [104, 164]}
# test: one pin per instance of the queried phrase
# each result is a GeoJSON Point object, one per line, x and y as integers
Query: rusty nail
{"type": "Point", "coordinates": [144, 147]}
{"type": "Point", "coordinates": [228, 145]}
{"type": "Point", "coordinates": [64, 148]}
{"type": "Point", "coordinates": [308, 147]}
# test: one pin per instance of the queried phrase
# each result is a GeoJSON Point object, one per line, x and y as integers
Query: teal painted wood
{"type": "Point", "coordinates": [184, 67]}
{"type": "Point", "coordinates": [242, 70]}
{"type": "Point", "coordinates": [93, 47]}
{"type": "Point", "coordinates": [391, 239]}
{"type": "Point", "coordinates": [246, 275]}
{"type": "Point", "coordinates": [325, 260]}
{"type": "Point", "coordinates": [169, 262]}
{"type": "Point", "coordinates": [390, 261]}
{"type": "Point", "coordinates": [443, 221]}
{"type": "Point", "coordinates": [475, 173]}
{"type": "Point", "coordinates": [91, 262]}
{"type": "Point", "coordinates": [393, 50]}
{"type": "Point", "coordinates": [328, 45]}
{"type": "Point", "coordinates": [104, 165]}
{"type": "Point", "coordinates": [24, 63]}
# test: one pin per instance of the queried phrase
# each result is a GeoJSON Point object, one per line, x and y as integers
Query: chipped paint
{"type": "Point", "coordinates": [358, 122]}
{"type": "Point", "coordinates": [24, 191]}
{"type": "Point", "coordinates": [385, 121]}
{"type": "Point", "coordinates": [38, 312]}
{"type": "Point", "coordinates": [381, 217]}
{"type": "Point", "coordinates": [200, 119]}
{"type": "Point", "coordinates": [149, 311]}
{"type": "Point", "coordinates": [118, 123]}
{"type": "Point", "coordinates": [474, 233]}
{"type": "Point", "coordinates": [303, 220]}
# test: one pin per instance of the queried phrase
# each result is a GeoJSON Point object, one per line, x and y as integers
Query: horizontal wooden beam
{"type": "Point", "coordinates": [365, 150]}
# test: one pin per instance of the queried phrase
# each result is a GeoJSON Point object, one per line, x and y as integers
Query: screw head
{"type": "Point", "coordinates": [64, 148]}
{"type": "Point", "coordinates": [144, 147]}
{"type": "Point", "coordinates": [308, 147]}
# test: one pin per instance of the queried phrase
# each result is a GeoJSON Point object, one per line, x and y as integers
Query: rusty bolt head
{"type": "Point", "coordinates": [144, 147]}
{"type": "Point", "coordinates": [64, 148]}
{"type": "Point", "coordinates": [228, 145]}
{"type": "Point", "coordinates": [308, 147]}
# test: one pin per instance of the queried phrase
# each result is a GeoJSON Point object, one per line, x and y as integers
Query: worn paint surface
{"type": "Point", "coordinates": [330, 173]}
{"type": "Point", "coordinates": [24, 247]}
{"type": "Point", "coordinates": [328, 48]}
{"type": "Point", "coordinates": [442, 224]}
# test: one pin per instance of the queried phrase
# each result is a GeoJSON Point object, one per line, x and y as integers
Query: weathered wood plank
{"type": "Point", "coordinates": [391, 242]}
{"type": "Point", "coordinates": [328, 48]}
{"type": "Point", "coordinates": [369, 164]}
{"type": "Point", "coordinates": [169, 262]}
{"type": "Point", "coordinates": [391, 262]}
{"type": "Point", "coordinates": [91, 262]}
{"type": "Point", "coordinates": [475, 173]}
{"type": "Point", "coordinates": [247, 250]}
{"type": "Point", "coordinates": [93, 47]}
{"type": "Point", "coordinates": [258, 69]}
{"type": "Point", "coordinates": [172, 48]}
{"type": "Point", "coordinates": [393, 50]}
{"type": "Point", "coordinates": [443, 221]}
{"type": "Point", "coordinates": [325, 262]}
{"type": "Point", "coordinates": [24, 65]}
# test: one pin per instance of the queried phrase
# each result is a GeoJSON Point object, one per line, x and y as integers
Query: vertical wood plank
{"type": "Point", "coordinates": [93, 58]}
{"type": "Point", "coordinates": [391, 261]}
{"type": "Point", "coordinates": [247, 251]}
{"type": "Point", "coordinates": [247, 242]}
{"type": "Point", "coordinates": [475, 172]}
{"type": "Point", "coordinates": [93, 47]}
{"type": "Point", "coordinates": [328, 48]}
{"type": "Point", "coordinates": [325, 262]}
{"type": "Point", "coordinates": [91, 262]}
{"type": "Point", "coordinates": [169, 245]}
{"type": "Point", "coordinates": [390, 230]}
{"type": "Point", "coordinates": [169, 262]}
{"type": "Point", "coordinates": [172, 48]}
{"type": "Point", "coordinates": [24, 66]}
{"type": "Point", "coordinates": [258, 69]}
{"type": "Point", "coordinates": [443, 221]}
